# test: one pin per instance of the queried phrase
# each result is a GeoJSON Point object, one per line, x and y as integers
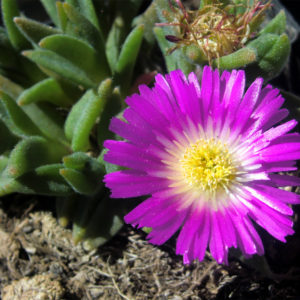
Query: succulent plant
{"type": "Point", "coordinates": [227, 34]}
{"type": "Point", "coordinates": [59, 86]}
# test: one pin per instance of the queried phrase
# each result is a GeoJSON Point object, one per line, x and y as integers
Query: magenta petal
{"type": "Point", "coordinates": [132, 184]}
{"type": "Point", "coordinates": [255, 237]}
{"type": "Point", "coordinates": [137, 135]}
{"type": "Point", "coordinates": [201, 238]}
{"type": "Point", "coordinates": [271, 221]}
{"type": "Point", "coordinates": [162, 233]}
{"type": "Point", "coordinates": [285, 180]}
{"type": "Point", "coordinates": [282, 195]}
{"type": "Point", "coordinates": [270, 200]}
{"type": "Point", "coordinates": [216, 244]}
{"type": "Point", "coordinates": [190, 228]}
{"type": "Point", "coordinates": [227, 229]}
{"type": "Point", "coordinates": [244, 238]}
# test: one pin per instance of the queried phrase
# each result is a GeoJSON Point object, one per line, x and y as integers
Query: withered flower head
{"type": "Point", "coordinates": [216, 29]}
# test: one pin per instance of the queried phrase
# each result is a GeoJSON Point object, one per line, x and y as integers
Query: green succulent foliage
{"type": "Point", "coordinates": [59, 87]}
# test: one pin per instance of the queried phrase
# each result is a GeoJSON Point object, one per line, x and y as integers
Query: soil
{"type": "Point", "coordinates": [38, 260]}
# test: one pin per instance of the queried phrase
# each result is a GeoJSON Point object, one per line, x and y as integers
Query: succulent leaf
{"type": "Point", "coordinates": [9, 138]}
{"type": "Point", "coordinates": [87, 9]}
{"type": "Point", "coordinates": [30, 153]}
{"type": "Point", "coordinates": [46, 180]}
{"type": "Point", "coordinates": [272, 53]}
{"type": "Point", "coordinates": [47, 90]}
{"type": "Point", "coordinates": [174, 60]}
{"type": "Point", "coordinates": [79, 26]}
{"type": "Point", "coordinates": [85, 207]}
{"type": "Point", "coordinates": [79, 181]}
{"type": "Point", "coordinates": [34, 31]}
{"type": "Point", "coordinates": [113, 42]}
{"type": "Point", "coordinates": [276, 25]}
{"type": "Point", "coordinates": [164, 46]}
{"type": "Point", "coordinates": [89, 114]}
{"type": "Point", "coordinates": [62, 16]}
{"type": "Point", "coordinates": [56, 64]}
{"type": "Point", "coordinates": [65, 209]}
{"type": "Point", "coordinates": [9, 87]}
{"type": "Point", "coordinates": [127, 58]}
{"type": "Point", "coordinates": [83, 173]}
{"type": "Point", "coordinates": [238, 59]}
{"type": "Point", "coordinates": [82, 162]}
{"type": "Point", "coordinates": [113, 106]}
{"type": "Point", "coordinates": [106, 221]}
{"type": "Point", "coordinates": [15, 118]}
{"type": "Point", "coordinates": [50, 7]}
{"type": "Point", "coordinates": [9, 11]}
{"type": "Point", "coordinates": [3, 163]}
{"type": "Point", "coordinates": [79, 53]}
{"type": "Point", "coordinates": [49, 122]}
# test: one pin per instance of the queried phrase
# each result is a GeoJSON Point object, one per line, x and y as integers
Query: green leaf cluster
{"type": "Point", "coordinates": [60, 84]}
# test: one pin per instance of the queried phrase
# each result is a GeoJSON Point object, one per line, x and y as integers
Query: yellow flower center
{"type": "Point", "coordinates": [208, 165]}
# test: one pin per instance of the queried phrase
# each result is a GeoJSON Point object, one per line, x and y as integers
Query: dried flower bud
{"type": "Point", "coordinates": [216, 29]}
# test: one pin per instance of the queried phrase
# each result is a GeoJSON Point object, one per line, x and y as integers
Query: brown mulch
{"type": "Point", "coordinates": [38, 260]}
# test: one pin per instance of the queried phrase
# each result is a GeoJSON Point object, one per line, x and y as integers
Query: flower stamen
{"type": "Point", "coordinates": [208, 165]}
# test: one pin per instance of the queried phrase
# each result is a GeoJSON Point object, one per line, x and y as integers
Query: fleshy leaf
{"type": "Point", "coordinates": [237, 59]}
{"type": "Point", "coordinates": [44, 180]}
{"type": "Point", "coordinates": [65, 209]}
{"type": "Point", "coordinates": [174, 60]}
{"type": "Point", "coordinates": [60, 65]}
{"type": "Point", "coordinates": [84, 209]}
{"type": "Point", "coordinates": [113, 106]}
{"type": "Point", "coordinates": [9, 87]}
{"type": "Point", "coordinates": [34, 31]}
{"type": "Point", "coordinates": [79, 26]}
{"type": "Point", "coordinates": [50, 7]}
{"type": "Point", "coordinates": [3, 163]}
{"type": "Point", "coordinates": [9, 11]}
{"type": "Point", "coordinates": [75, 113]}
{"type": "Point", "coordinates": [127, 58]}
{"type": "Point", "coordinates": [80, 183]}
{"type": "Point", "coordinates": [9, 140]}
{"type": "Point", "coordinates": [113, 42]}
{"type": "Point", "coordinates": [276, 25]}
{"type": "Point", "coordinates": [74, 50]}
{"type": "Point", "coordinates": [89, 114]}
{"type": "Point", "coordinates": [48, 90]}
{"type": "Point", "coordinates": [272, 52]}
{"type": "Point", "coordinates": [87, 9]}
{"type": "Point", "coordinates": [15, 118]}
{"type": "Point", "coordinates": [82, 162]}
{"type": "Point", "coordinates": [164, 46]}
{"type": "Point", "coordinates": [148, 19]}
{"type": "Point", "coordinates": [106, 221]}
{"type": "Point", "coordinates": [31, 153]}
{"type": "Point", "coordinates": [83, 173]}
{"type": "Point", "coordinates": [49, 122]}
{"type": "Point", "coordinates": [62, 16]}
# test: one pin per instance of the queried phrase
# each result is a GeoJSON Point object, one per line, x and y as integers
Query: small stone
{"type": "Point", "coordinates": [27, 229]}
{"type": "Point", "coordinates": [56, 269]}
{"type": "Point", "coordinates": [39, 287]}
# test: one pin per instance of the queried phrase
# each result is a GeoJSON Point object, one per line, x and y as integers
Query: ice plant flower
{"type": "Point", "coordinates": [208, 156]}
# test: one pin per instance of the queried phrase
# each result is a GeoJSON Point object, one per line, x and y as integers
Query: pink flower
{"type": "Point", "coordinates": [208, 159]}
